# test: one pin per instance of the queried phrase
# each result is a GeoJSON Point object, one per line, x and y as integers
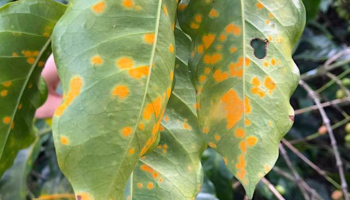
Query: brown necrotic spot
{"type": "Point", "coordinates": [260, 47]}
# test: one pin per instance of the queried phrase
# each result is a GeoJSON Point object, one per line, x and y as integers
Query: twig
{"type": "Point", "coordinates": [326, 121]}
{"type": "Point", "coordinates": [272, 189]}
{"type": "Point", "coordinates": [338, 81]}
{"type": "Point", "coordinates": [311, 164]}
{"type": "Point", "coordinates": [325, 104]}
{"type": "Point", "coordinates": [295, 173]}
{"type": "Point", "coordinates": [330, 83]}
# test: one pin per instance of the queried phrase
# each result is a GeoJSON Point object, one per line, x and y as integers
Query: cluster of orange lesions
{"type": "Point", "coordinates": [153, 108]}
{"type": "Point", "coordinates": [126, 63]}
{"type": "Point", "coordinates": [47, 32]}
{"type": "Point", "coordinates": [186, 126]}
{"type": "Point", "coordinates": [75, 86]}
{"type": "Point", "coordinates": [4, 92]}
{"type": "Point", "coordinates": [154, 174]}
{"type": "Point", "coordinates": [269, 86]}
{"type": "Point", "coordinates": [273, 62]}
{"type": "Point", "coordinates": [31, 56]}
{"type": "Point", "coordinates": [163, 147]}
{"type": "Point", "coordinates": [246, 142]}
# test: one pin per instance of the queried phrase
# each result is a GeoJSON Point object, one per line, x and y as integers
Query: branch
{"type": "Point", "coordinates": [326, 121]}
{"type": "Point", "coordinates": [272, 189]}
{"type": "Point", "coordinates": [325, 104]}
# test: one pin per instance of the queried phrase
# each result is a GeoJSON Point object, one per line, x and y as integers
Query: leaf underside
{"type": "Point", "coordinates": [115, 59]}
{"type": "Point", "coordinates": [173, 170]}
{"type": "Point", "coordinates": [25, 29]}
{"type": "Point", "coordinates": [242, 98]}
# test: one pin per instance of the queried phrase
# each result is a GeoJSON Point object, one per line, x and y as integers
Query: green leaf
{"type": "Point", "coordinates": [243, 100]}
{"type": "Point", "coordinates": [173, 171]}
{"type": "Point", "coordinates": [14, 182]}
{"type": "Point", "coordinates": [25, 29]}
{"type": "Point", "coordinates": [115, 60]}
{"type": "Point", "coordinates": [216, 170]}
{"type": "Point", "coordinates": [207, 191]}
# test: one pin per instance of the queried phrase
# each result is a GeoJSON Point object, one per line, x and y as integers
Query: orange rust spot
{"type": "Point", "coordinates": [194, 25]}
{"type": "Point", "coordinates": [160, 180]}
{"type": "Point", "coordinates": [239, 133]}
{"type": "Point", "coordinates": [207, 70]}
{"type": "Point", "coordinates": [202, 78]}
{"type": "Point", "coordinates": [7, 84]}
{"type": "Point", "coordinates": [19, 107]}
{"type": "Point", "coordinates": [213, 13]}
{"type": "Point", "coordinates": [99, 7]}
{"type": "Point", "coordinates": [198, 18]}
{"type": "Point", "coordinates": [222, 37]}
{"type": "Point", "coordinates": [165, 9]}
{"type": "Point", "coordinates": [243, 146]}
{"type": "Point", "coordinates": [150, 186]}
{"type": "Point", "coordinates": [267, 168]}
{"type": "Point", "coordinates": [153, 108]}
{"type": "Point", "coordinates": [12, 125]}
{"type": "Point", "coordinates": [219, 77]}
{"type": "Point", "coordinates": [139, 72]}
{"type": "Point", "coordinates": [168, 92]}
{"type": "Point", "coordinates": [128, 3]}
{"type": "Point", "coordinates": [236, 68]}
{"type": "Point", "coordinates": [225, 160]}
{"type": "Point", "coordinates": [96, 60]}
{"type": "Point", "coordinates": [166, 118]}
{"type": "Point", "coordinates": [208, 40]}
{"type": "Point", "coordinates": [31, 60]}
{"type": "Point", "coordinates": [241, 162]}
{"type": "Point", "coordinates": [247, 106]}
{"type": "Point", "coordinates": [269, 84]}
{"type": "Point", "coordinates": [266, 64]}
{"type": "Point", "coordinates": [64, 140]}
{"type": "Point", "coordinates": [258, 91]}
{"type": "Point", "coordinates": [140, 185]}
{"type": "Point", "coordinates": [259, 5]}
{"type": "Point", "coordinates": [233, 49]}
{"type": "Point", "coordinates": [256, 82]}
{"type": "Point", "coordinates": [233, 106]}
{"type": "Point", "coordinates": [155, 175]}
{"type": "Point", "coordinates": [212, 145]}
{"type": "Point", "coordinates": [75, 86]}
{"type": "Point", "coordinates": [182, 6]}
{"type": "Point", "coordinates": [41, 64]}
{"type": "Point", "coordinates": [270, 38]}
{"type": "Point", "coordinates": [271, 15]}
{"type": "Point", "coordinates": [171, 48]}
{"type": "Point", "coordinates": [121, 91]}
{"type": "Point", "coordinates": [267, 22]}
{"type": "Point", "coordinates": [126, 131]}
{"type": "Point", "coordinates": [233, 29]}
{"type": "Point", "coordinates": [217, 137]}
{"type": "Point", "coordinates": [247, 122]}
{"type": "Point", "coordinates": [212, 59]}
{"type": "Point", "coordinates": [251, 140]}
{"type": "Point", "coordinates": [219, 47]}
{"type": "Point", "coordinates": [149, 38]}
{"type": "Point", "coordinates": [206, 130]}
{"type": "Point", "coordinates": [161, 128]}
{"type": "Point", "coordinates": [141, 126]}
{"type": "Point", "coordinates": [6, 120]}
{"type": "Point", "coordinates": [200, 48]}
{"type": "Point", "coordinates": [125, 63]}
{"type": "Point", "coordinates": [15, 54]}
{"type": "Point", "coordinates": [131, 151]}
{"type": "Point", "coordinates": [172, 75]}
{"type": "Point", "coordinates": [273, 61]}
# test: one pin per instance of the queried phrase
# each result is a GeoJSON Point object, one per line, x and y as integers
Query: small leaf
{"type": "Point", "coordinates": [173, 171]}
{"type": "Point", "coordinates": [25, 28]}
{"type": "Point", "coordinates": [243, 99]}
{"type": "Point", "coordinates": [14, 182]}
{"type": "Point", "coordinates": [115, 60]}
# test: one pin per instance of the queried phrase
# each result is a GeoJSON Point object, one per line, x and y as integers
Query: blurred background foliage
{"type": "Point", "coordinates": [323, 58]}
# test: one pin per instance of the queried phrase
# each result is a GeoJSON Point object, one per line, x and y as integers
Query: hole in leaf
{"type": "Point", "coordinates": [260, 47]}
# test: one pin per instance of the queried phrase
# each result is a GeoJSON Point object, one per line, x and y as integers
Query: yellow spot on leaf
{"type": "Point", "coordinates": [219, 77]}
{"type": "Point", "coordinates": [233, 106]}
{"type": "Point", "coordinates": [217, 137]}
{"type": "Point", "coordinates": [126, 131]}
{"type": "Point", "coordinates": [150, 186]}
{"type": "Point", "coordinates": [149, 38]}
{"type": "Point", "coordinates": [75, 86]}
{"type": "Point", "coordinates": [198, 18]}
{"type": "Point", "coordinates": [212, 59]}
{"type": "Point", "coordinates": [139, 72]}
{"type": "Point", "coordinates": [208, 40]}
{"type": "Point", "coordinates": [239, 133]}
{"type": "Point", "coordinates": [165, 9]}
{"type": "Point", "coordinates": [171, 48]}
{"type": "Point", "coordinates": [213, 13]}
{"type": "Point", "coordinates": [251, 141]}
{"type": "Point", "coordinates": [7, 84]}
{"type": "Point", "coordinates": [121, 91]}
{"type": "Point", "coordinates": [259, 5]}
{"type": "Point", "coordinates": [125, 63]}
{"type": "Point", "coordinates": [31, 60]}
{"type": "Point", "coordinates": [97, 60]}
{"type": "Point", "coordinates": [140, 185]}
{"type": "Point", "coordinates": [6, 120]}
{"type": "Point", "coordinates": [99, 7]}
{"type": "Point", "coordinates": [233, 29]}
{"type": "Point", "coordinates": [212, 145]}
{"type": "Point", "coordinates": [4, 93]}
{"type": "Point", "coordinates": [132, 151]}
{"type": "Point", "coordinates": [64, 140]}
{"type": "Point", "coordinates": [128, 3]}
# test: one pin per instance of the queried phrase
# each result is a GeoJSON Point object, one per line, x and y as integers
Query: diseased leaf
{"type": "Point", "coordinates": [243, 100]}
{"type": "Point", "coordinates": [173, 171]}
{"type": "Point", "coordinates": [115, 59]}
{"type": "Point", "coordinates": [25, 29]}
